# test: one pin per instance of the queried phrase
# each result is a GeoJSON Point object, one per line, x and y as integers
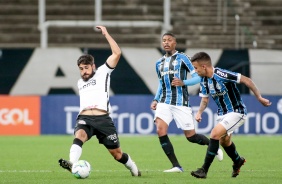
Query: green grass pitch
{"type": "Point", "coordinates": [34, 159]}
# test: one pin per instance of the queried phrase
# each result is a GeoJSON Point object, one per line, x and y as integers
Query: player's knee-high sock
{"type": "Point", "coordinates": [232, 153]}
{"type": "Point", "coordinates": [211, 152]}
{"type": "Point", "coordinates": [75, 150]}
{"type": "Point", "coordinates": [199, 139]}
{"type": "Point", "coordinates": [169, 151]}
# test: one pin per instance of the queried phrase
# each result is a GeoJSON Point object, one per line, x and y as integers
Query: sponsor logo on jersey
{"type": "Point", "coordinates": [91, 82]}
{"type": "Point", "coordinates": [220, 73]}
{"type": "Point", "coordinates": [169, 72]}
{"type": "Point", "coordinates": [218, 94]}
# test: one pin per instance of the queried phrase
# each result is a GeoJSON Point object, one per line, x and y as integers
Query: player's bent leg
{"type": "Point", "coordinates": [197, 138]}
{"type": "Point", "coordinates": [202, 140]}
{"type": "Point", "coordinates": [65, 164]}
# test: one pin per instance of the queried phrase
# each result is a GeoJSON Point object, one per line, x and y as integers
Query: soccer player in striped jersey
{"type": "Point", "coordinates": [221, 85]}
{"type": "Point", "coordinates": [93, 118]}
{"type": "Point", "coordinates": [172, 99]}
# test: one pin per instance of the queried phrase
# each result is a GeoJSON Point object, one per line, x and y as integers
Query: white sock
{"type": "Point", "coordinates": [129, 162]}
{"type": "Point", "coordinates": [75, 153]}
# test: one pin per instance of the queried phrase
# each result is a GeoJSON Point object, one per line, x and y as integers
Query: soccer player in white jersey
{"type": "Point", "coordinates": [221, 85]}
{"type": "Point", "coordinates": [93, 118]}
{"type": "Point", "coordinates": [172, 99]}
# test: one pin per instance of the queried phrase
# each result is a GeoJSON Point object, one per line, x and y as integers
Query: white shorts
{"type": "Point", "coordinates": [231, 121]}
{"type": "Point", "coordinates": [182, 115]}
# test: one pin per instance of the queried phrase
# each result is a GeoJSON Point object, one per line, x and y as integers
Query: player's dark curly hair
{"type": "Point", "coordinates": [86, 59]}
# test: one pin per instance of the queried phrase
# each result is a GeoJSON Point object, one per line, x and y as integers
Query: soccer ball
{"type": "Point", "coordinates": [81, 169]}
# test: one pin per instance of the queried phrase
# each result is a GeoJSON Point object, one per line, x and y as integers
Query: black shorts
{"type": "Point", "coordinates": [102, 126]}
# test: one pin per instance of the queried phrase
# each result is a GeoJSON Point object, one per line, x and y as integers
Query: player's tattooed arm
{"type": "Point", "coordinates": [203, 105]}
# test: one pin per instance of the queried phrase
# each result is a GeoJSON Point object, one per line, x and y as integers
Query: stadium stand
{"type": "Point", "coordinates": [195, 22]}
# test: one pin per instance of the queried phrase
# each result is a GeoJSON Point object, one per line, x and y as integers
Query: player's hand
{"type": "Point", "coordinates": [198, 117]}
{"type": "Point", "coordinates": [265, 102]}
{"type": "Point", "coordinates": [103, 29]}
{"type": "Point", "coordinates": [177, 82]}
{"type": "Point", "coordinates": [154, 105]}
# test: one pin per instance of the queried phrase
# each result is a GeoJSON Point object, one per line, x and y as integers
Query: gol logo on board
{"type": "Point", "coordinates": [15, 116]}
{"type": "Point", "coordinates": [19, 115]}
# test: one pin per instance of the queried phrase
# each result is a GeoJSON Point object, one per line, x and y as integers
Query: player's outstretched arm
{"type": "Point", "coordinates": [189, 82]}
{"type": "Point", "coordinates": [251, 85]}
{"type": "Point", "coordinates": [116, 52]}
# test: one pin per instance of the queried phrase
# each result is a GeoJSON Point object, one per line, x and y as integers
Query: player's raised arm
{"type": "Point", "coordinates": [116, 52]}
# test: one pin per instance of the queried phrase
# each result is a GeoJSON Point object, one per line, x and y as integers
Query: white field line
{"type": "Point", "coordinates": [24, 171]}
{"type": "Point", "coordinates": [112, 171]}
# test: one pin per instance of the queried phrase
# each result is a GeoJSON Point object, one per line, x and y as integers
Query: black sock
{"type": "Point", "coordinates": [232, 153]}
{"type": "Point", "coordinates": [199, 139]}
{"type": "Point", "coordinates": [123, 159]}
{"type": "Point", "coordinates": [211, 152]}
{"type": "Point", "coordinates": [77, 142]}
{"type": "Point", "coordinates": [169, 151]}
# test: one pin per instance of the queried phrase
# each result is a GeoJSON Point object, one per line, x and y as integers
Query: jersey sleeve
{"type": "Point", "coordinates": [105, 68]}
{"type": "Point", "coordinates": [204, 91]}
{"type": "Point", "coordinates": [158, 93]}
{"type": "Point", "coordinates": [194, 80]}
{"type": "Point", "coordinates": [228, 76]}
{"type": "Point", "coordinates": [158, 67]}
{"type": "Point", "coordinates": [188, 63]}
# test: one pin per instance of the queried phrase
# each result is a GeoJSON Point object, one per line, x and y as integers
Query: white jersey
{"type": "Point", "coordinates": [94, 93]}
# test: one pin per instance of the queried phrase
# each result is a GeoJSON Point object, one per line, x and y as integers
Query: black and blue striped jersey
{"type": "Point", "coordinates": [223, 89]}
{"type": "Point", "coordinates": [178, 65]}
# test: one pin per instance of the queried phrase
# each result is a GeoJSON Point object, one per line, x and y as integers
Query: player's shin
{"type": "Point", "coordinates": [168, 150]}
{"type": "Point", "coordinates": [231, 152]}
{"type": "Point", "coordinates": [211, 153]}
{"type": "Point", "coordinates": [75, 150]}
